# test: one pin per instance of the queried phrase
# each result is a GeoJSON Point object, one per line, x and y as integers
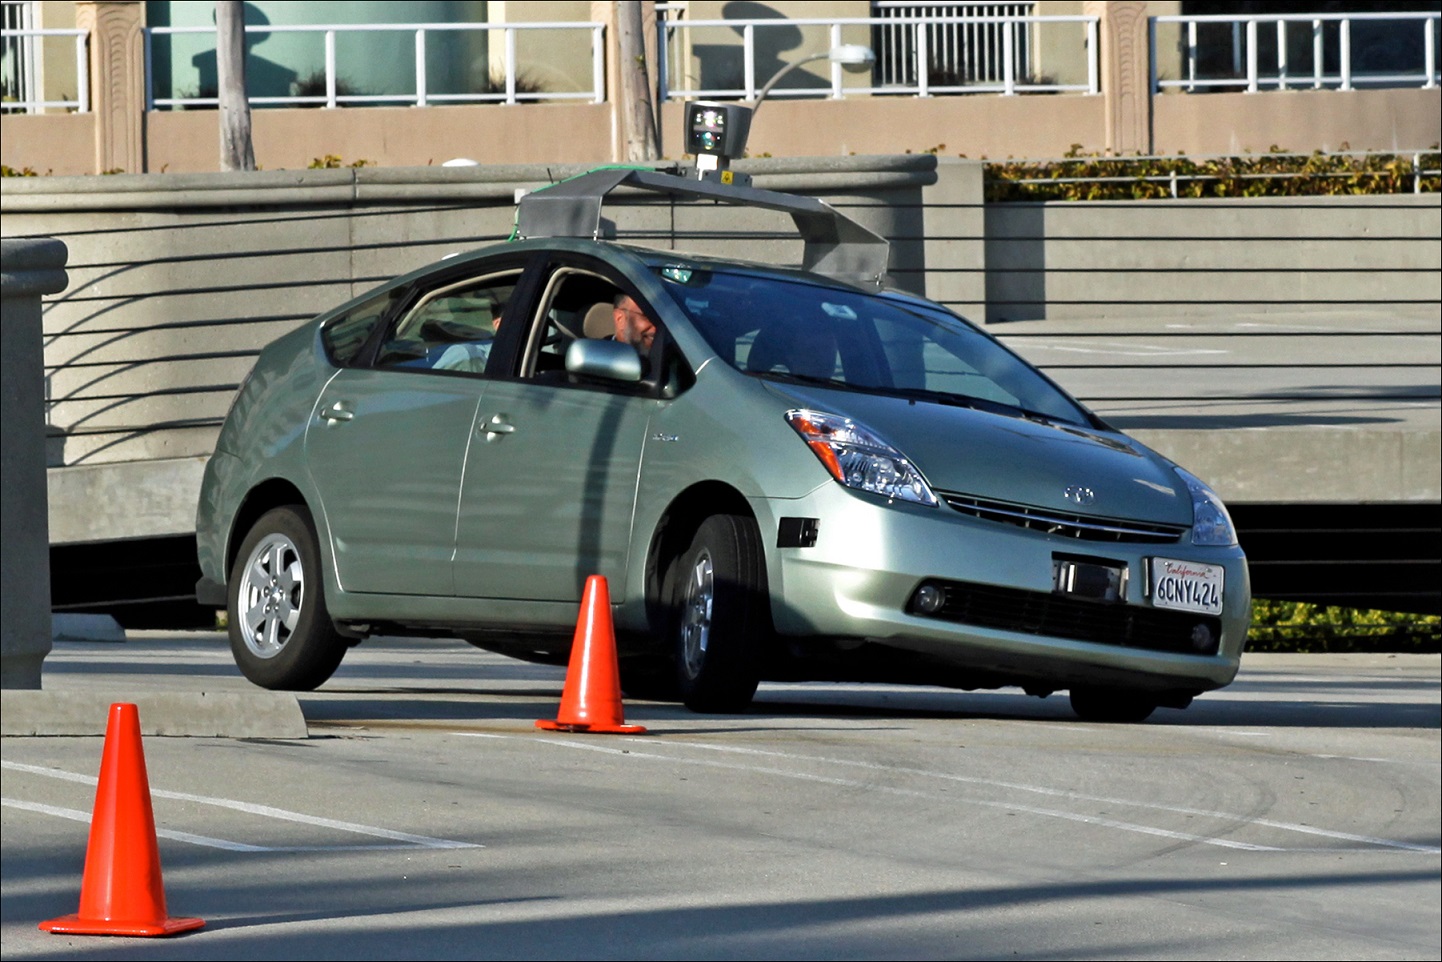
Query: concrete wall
{"type": "Point", "coordinates": [1213, 257]}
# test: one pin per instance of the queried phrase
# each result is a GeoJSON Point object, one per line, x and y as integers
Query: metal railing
{"type": "Point", "coordinates": [21, 72]}
{"type": "Point", "coordinates": [968, 52]}
{"type": "Point", "coordinates": [1238, 40]}
{"type": "Point", "coordinates": [422, 96]}
{"type": "Point", "coordinates": [1013, 74]}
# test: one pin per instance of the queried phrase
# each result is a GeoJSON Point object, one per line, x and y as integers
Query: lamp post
{"type": "Point", "coordinates": [847, 54]}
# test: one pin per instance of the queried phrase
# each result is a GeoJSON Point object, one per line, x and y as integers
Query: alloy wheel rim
{"type": "Point", "coordinates": [696, 615]}
{"type": "Point", "coordinates": [271, 596]}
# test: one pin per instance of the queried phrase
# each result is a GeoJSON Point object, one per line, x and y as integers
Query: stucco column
{"type": "Point", "coordinates": [29, 268]}
{"type": "Point", "coordinates": [117, 80]}
{"type": "Point", "coordinates": [1125, 73]}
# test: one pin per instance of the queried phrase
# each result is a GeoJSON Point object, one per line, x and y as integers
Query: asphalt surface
{"type": "Point", "coordinates": [421, 814]}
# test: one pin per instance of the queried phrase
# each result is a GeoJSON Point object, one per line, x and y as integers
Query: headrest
{"type": "Point", "coordinates": [599, 321]}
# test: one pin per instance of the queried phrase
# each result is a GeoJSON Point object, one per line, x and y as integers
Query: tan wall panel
{"type": "Point", "coordinates": [975, 126]}
{"type": "Point", "coordinates": [1297, 120]}
{"type": "Point", "coordinates": [59, 144]}
{"type": "Point", "coordinates": [391, 136]}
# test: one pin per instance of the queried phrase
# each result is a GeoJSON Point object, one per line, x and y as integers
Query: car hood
{"type": "Point", "coordinates": [1014, 459]}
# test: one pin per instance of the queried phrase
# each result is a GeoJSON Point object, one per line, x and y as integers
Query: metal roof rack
{"type": "Point", "coordinates": [836, 245]}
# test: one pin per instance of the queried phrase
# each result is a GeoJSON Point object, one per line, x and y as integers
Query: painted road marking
{"type": "Point", "coordinates": [1231, 818]}
{"type": "Point", "coordinates": [404, 840]}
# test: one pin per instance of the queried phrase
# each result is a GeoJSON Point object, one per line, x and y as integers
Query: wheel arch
{"type": "Point", "coordinates": [673, 533]}
{"type": "Point", "coordinates": [269, 494]}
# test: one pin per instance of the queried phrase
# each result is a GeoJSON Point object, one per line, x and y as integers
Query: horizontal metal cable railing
{"type": "Point", "coordinates": [512, 88]}
{"type": "Point", "coordinates": [1317, 51]}
{"type": "Point", "coordinates": [1012, 68]}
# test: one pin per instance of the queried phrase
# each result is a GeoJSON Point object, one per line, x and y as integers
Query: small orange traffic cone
{"type": "Point", "coordinates": [591, 700]}
{"type": "Point", "coordinates": [121, 892]}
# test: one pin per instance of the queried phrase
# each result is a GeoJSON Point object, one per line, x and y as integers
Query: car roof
{"type": "Point", "coordinates": [620, 251]}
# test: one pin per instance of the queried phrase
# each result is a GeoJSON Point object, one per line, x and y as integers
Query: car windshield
{"type": "Point", "coordinates": [787, 330]}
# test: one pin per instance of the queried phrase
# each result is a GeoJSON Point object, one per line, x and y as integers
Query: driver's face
{"type": "Point", "coordinates": [633, 327]}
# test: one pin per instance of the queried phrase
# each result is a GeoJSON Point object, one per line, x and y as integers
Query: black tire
{"type": "Point", "coordinates": [721, 614]}
{"type": "Point", "coordinates": [1111, 705]}
{"type": "Point", "coordinates": [281, 633]}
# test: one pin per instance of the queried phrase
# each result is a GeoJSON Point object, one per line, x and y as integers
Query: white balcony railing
{"type": "Point", "coordinates": [20, 69]}
{"type": "Point", "coordinates": [1234, 51]}
{"type": "Point", "coordinates": [1005, 65]}
{"type": "Point", "coordinates": [959, 51]}
{"type": "Point", "coordinates": [511, 87]}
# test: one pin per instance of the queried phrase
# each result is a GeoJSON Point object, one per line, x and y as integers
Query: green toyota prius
{"type": "Point", "coordinates": [783, 474]}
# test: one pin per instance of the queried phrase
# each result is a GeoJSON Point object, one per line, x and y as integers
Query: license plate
{"type": "Point", "coordinates": [1187, 585]}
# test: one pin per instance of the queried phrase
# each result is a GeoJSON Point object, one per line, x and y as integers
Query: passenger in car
{"type": "Point", "coordinates": [470, 356]}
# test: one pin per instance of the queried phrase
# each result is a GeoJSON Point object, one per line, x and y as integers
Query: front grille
{"type": "Point", "coordinates": [1060, 616]}
{"type": "Point", "coordinates": [1079, 526]}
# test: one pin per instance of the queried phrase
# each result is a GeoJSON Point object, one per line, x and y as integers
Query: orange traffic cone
{"type": "Point", "coordinates": [121, 892]}
{"type": "Point", "coordinates": [591, 700]}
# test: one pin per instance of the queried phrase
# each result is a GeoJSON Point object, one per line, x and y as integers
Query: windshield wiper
{"type": "Point", "coordinates": [803, 379]}
{"type": "Point", "coordinates": [918, 394]}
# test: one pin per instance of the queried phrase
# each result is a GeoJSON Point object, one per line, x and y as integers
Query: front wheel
{"type": "Point", "coordinates": [1111, 705]}
{"type": "Point", "coordinates": [280, 629]}
{"type": "Point", "coordinates": [722, 614]}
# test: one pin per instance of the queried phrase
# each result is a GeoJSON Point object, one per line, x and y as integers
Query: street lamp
{"type": "Point", "coordinates": [852, 55]}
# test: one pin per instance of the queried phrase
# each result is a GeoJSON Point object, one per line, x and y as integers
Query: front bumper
{"type": "Point", "coordinates": [858, 579]}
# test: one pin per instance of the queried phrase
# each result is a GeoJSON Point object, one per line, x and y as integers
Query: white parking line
{"type": "Point", "coordinates": [405, 840]}
{"type": "Point", "coordinates": [1229, 817]}
{"type": "Point", "coordinates": [913, 793]}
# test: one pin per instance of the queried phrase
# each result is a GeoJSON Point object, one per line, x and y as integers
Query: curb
{"type": "Point", "coordinates": [259, 714]}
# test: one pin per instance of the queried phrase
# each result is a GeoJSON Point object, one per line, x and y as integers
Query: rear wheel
{"type": "Point", "coordinates": [1111, 705]}
{"type": "Point", "coordinates": [722, 617]}
{"type": "Point", "coordinates": [280, 629]}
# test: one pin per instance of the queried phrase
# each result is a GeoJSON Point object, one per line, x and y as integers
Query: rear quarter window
{"type": "Point", "coordinates": [345, 336]}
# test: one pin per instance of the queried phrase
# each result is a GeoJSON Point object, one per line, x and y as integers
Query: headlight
{"type": "Point", "coordinates": [858, 458]}
{"type": "Point", "coordinates": [1211, 525]}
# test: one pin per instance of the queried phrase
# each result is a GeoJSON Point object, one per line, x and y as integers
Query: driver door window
{"type": "Point", "coordinates": [577, 304]}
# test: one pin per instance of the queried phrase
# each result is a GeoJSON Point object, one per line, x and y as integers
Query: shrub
{"type": "Point", "coordinates": [1081, 176]}
{"type": "Point", "coordinates": [1300, 626]}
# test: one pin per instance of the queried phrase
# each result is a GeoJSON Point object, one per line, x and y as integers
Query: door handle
{"type": "Point", "coordinates": [337, 412]}
{"type": "Point", "coordinates": [496, 426]}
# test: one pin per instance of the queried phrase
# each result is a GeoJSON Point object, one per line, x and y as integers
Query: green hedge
{"type": "Point", "coordinates": [1275, 174]}
{"type": "Point", "coordinates": [1299, 626]}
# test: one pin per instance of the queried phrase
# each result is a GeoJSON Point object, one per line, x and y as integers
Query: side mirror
{"type": "Point", "coordinates": [607, 360]}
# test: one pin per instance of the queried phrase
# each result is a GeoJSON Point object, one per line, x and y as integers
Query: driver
{"type": "Point", "coordinates": [633, 327]}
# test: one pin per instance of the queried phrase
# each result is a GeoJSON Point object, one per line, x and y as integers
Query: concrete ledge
{"type": "Point", "coordinates": [160, 499]}
{"type": "Point", "coordinates": [258, 714]}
